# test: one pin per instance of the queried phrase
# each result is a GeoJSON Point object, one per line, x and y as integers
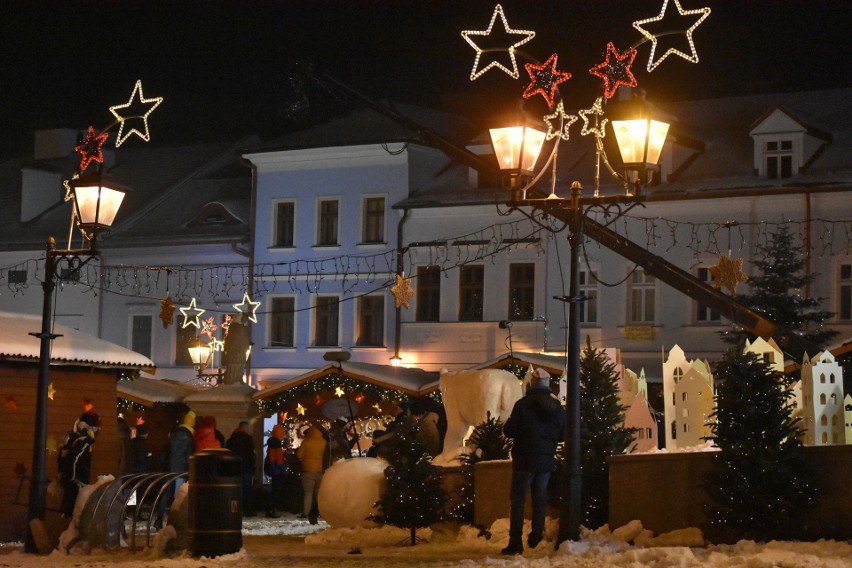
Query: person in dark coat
{"type": "Point", "coordinates": [342, 438]}
{"type": "Point", "coordinates": [241, 443]}
{"type": "Point", "coordinates": [75, 463]}
{"type": "Point", "coordinates": [181, 445]}
{"type": "Point", "coordinates": [536, 426]}
{"type": "Point", "coordinates": [139, 446]}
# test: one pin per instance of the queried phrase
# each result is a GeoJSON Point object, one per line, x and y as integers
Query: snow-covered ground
{"type": "Point", "coordinates": [292, 542]}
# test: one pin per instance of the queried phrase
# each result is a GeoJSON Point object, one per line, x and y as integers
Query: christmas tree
{"type": "Point", "coordinates": [487, 442]}
{"type": "Point", "coordinates": [414, 497]}
{"type": "Point", "coordinates": [776, 292]}
{"type": "Point", "coordinates": [602, 431]}
{"type": "Point", "coordinates": [758, 483]}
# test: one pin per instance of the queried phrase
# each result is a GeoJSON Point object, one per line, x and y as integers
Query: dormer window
{"type": "Point", "coordinates": [779, 159]}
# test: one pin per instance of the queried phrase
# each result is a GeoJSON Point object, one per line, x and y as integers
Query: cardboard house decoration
{"type": "Point", "coordinates": [688, 399]}
{"type": "Point", "coordinates": [633, 395]}
{"type": "Point", "coordinates": [821, 406]}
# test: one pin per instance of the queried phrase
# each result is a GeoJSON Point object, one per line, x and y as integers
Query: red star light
{"type": "Point", "coordinates": [615, 70]}
{"type": "Point", "coordinates": [544, 79]}
{"type": "Point", "coordinates": [90, 148]}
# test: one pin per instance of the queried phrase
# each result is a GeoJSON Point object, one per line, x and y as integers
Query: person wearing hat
{"type": "Point", "coordinates": [536, 426]}
{"type": "Point", "coordinates": [75, 463]}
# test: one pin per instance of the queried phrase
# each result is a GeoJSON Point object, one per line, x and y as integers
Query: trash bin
{"type": "Point", "coordinates": [215, 516]}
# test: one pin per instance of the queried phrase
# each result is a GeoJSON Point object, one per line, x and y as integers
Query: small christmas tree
{"type": "Point", "coordinates": [759, 482]}
{"type": "Point", "coordinates": [776, 292]}
{"type": "Point", "coordinates": [602, 431]}
{"type": "Point", "coordinates": [414, 497]}
{"type": "Point", "coordinates": [487, 442]}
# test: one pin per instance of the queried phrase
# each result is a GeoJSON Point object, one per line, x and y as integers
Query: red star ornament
{"type": "Point", "coordinates": [90, 148]}
{"type": "Point", "coordinates": [544, 79]}
{"type": "Point", "coordinates": [615, 70]}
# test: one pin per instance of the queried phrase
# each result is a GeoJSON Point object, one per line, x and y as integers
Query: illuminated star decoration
{"type": "Point", "coordinates": [728, 273]}
{"type": "Point", "coordinates": [593, 129]}
{"type": "Point", "coordinates": [339, 392]}
{"type": "Point", "coordinates": [248, 307]}
{"type": "Point", "coordinates": [615, 70]}
{"type": "Point", "coordinates": [122, 119]}
{"type": "Point", "coordinates": [402, 291]}
{"type": "Point", "coordinates": [378, 408]}
{"type": "Point", "coordinates": [52, 445]}
{"type": "Point", "coordinates": [564, 122]}
{"type": "Point", "coordinates": [702, 14]}
{"type": "Point", "coordinates": [226, 324]}
{"type": "Point", "coordinates": [167, 311]}
{"type": "Point", "coordinates": [544, 79]}
{"type": "Point", "coordinates": [11, 404]}
{"type": "Point", "coordinates": [90, 148]}
{"type": "Point", "coordinates": [216, 344]}
{"type": "Point", "coordinates": [50, 391]}
{"type": "Point", "coordinates": [475, 72]}
{"type": "Point", "coordinates": [300, 410]}
{"type": "Point", "coordinates": [191, 315]}
{"type": "Point", "coordinates": [208, 327]}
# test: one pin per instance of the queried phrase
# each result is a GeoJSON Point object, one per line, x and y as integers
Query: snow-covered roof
{"type": "Point", "coordinates": [409, 380]}
{"type": "Point", "coordinates": [73, 347]}
{"type": "Point", "coordinates": [237, 392]}
{"type": "Point", "coordinates": [148, 392]}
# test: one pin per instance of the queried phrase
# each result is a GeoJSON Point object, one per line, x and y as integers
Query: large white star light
{"type": "Point", "coordinates": [527, 35]}
{"type": "Point", "coordinates": [692, 57]}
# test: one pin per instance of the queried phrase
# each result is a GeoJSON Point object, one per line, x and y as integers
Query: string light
{"type": "Point", "coordinates": [615, 70]}
{"type": "Point", "coordinates": [545, 79]}
{"type": "Point", "coordinates": [122, 119]}
{"type": "Point", "coordinates": [692, 57]}
{"type": "Point", "coordinates": [188, 319]}
{"type": "Point", "coordinates": [475, 72]}
{"type": "Point", "coordinates": [596, 129]}
{"type": "Point", "coordinates": [216, 344]}
{"type": "Point", "coordinates": [90, 149]}
{"type": "Point", "coordinates": [208, 327]}
{"type": "Point", "coordinates": [565, 121]}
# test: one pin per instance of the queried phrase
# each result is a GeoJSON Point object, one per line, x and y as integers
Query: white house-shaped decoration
{"type": "Point", "coordinates": [688, 399]}
{"type": "Point", "coordinates": [822, 404]}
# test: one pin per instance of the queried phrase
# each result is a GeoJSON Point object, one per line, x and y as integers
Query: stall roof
{"type": "Point", "coordinates": [554, 364]}
{"type": "Point", "coordinates": [73, 347]}
{"type": "Point", "coordinates": [148, 392]}
{"type": "Point", "coordinates": [408, 380]}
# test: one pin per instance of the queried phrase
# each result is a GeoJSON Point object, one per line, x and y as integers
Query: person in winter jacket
{"type": "Point", "coordinates": [278, 468]}
{"type": "Point", "coordinates": [180, 447]}
{"type": "Point", "coordinates": [205, 434]}
{"type": "Point", "coordinates": [342, 438]}
{"type": "Point", "coordinates": [242, 444]}
{"type": "Point", "coordinates": [75, 463]}
{"type": "Point", "coordinates": [536, 426]}
{"type": "Point", "coordinates": [312, 454]}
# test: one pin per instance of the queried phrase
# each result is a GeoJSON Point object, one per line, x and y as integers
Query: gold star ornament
{"type": "Point", "coordinates": [402, 291]}
{"type": "Point", "coordinates": [167, 311]}
{"type": "Point", "coordinates": [339, 392]}
{"type": "Point", "coordinates": [728, 273]}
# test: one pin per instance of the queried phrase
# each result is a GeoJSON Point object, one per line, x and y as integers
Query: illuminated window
{"type": "Point", "coordinates": [522, 291]}
{"type": "Point", "coordinates": [184, 339]}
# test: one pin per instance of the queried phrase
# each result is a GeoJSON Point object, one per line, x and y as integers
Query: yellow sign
{"type": "Point", "coordinates": [639, 333]}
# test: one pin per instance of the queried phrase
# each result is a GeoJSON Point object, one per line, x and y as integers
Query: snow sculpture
{"type": "Point", "coordinates": [468, 398]}
{"type": "Point", "coordinates": [349, 490]}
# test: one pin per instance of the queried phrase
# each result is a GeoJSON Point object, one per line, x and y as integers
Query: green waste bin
{"type": "Point", "coordinates": [215, 516]}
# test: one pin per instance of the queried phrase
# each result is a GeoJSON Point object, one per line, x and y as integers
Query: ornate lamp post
{"type": "Point", "coordinates": [95, 208]}
{"type": "Point", "coordinates": [202, 358]}
{"type": "Point", "coordinates": [640, 142]}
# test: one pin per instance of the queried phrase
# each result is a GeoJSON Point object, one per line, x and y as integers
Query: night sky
{"type": "Point", "coordinates": [226, 68]}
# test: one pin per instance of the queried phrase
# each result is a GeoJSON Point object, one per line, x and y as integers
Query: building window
{"type": "Point", "coordinates": [16, 277]}
{"type": "Point", "coordinates": [642, 293]}
{"type": "Point", "coordinates": [140, 335]}
{"type": "Point", "coordinates": [521, 291]}
{"type": "Point", "coordinates": [703, 314]}
{"type": "Point", "coordinates": [326, 319]}
{"type": "Point", "coordinates": [588, 289]}
{"type": "Point", "coordinates": [471, 284]}
{"type": "Point", "coordinates": [779, 159]}
{"type": "Point", "coordinates": [328, 222]}
{"type": "Point", "coordinates": [374, 220]}
{"type": "Point", "coordinates": [184, 339]}
{"type": "Point", "coordinates": [845, 285]}
{"type": "Point", "coordinates": [285, 217]}
{"type": "Point", "coordinates": [282, 321]}
{"type": "Point", "coordinates": [371, 321]}
{"type": "Point", "coordinates": [428, 288]}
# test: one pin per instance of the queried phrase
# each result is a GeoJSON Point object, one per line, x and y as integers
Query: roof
{"type": "Point", "coordinates": [72, 347]}
{"type": "Point", "coordinates": [148, 392]}
{"type": "Point", "coordinates": [554, 364]}
{"type": "Point", "coordinates": [411, 381]}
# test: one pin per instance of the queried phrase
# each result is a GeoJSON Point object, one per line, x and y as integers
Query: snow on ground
{"type": "Point", "coordinates": [295, 543]}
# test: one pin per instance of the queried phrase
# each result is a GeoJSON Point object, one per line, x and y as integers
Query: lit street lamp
{"type": "Point", "coordinates": [95, 207]}
{"type": "Point", "coordinates": [202, 358]}
{"type": "Point", "coordinates": [640, 142]}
